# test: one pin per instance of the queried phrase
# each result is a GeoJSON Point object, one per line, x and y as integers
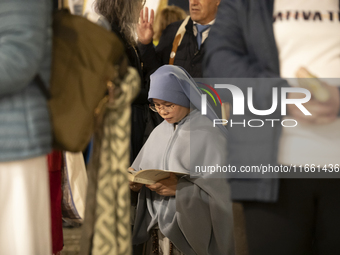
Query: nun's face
{"type": "Point", "coordinates": [171, 112]}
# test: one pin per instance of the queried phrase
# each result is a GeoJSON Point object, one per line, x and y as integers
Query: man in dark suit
{"type": "Point", "coordinates": [194, 31]}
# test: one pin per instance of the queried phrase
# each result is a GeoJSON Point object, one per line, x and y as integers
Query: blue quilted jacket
{"type": "Point", "coordinates": [25, 50]}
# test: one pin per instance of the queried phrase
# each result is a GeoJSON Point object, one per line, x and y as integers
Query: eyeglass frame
{"type": "Point", "coordinates": [162, 107]}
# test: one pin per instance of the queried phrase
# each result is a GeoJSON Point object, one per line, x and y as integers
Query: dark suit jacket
{"type": "Point", "coordinates": [188, 56]}
{"type": "Point", "coordinates": [242, 45]}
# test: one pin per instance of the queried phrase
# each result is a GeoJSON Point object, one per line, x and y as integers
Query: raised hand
{"type": "Point", "coordinates": [145, 26]}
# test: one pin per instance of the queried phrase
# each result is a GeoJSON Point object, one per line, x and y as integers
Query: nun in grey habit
{"type": "Point", "coordinates": [194, 212]}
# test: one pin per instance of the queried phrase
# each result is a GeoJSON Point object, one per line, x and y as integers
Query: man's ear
{"type": "Point", "coordinates": [218, 2]}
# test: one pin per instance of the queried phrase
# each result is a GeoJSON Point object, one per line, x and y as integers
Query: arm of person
{"type": "Point", "coordinates": [166, 187]}
{"type": "Point", "coordinates": [153, 57]}
{"type": "Point", "coordinates": [232, 52]}
{"type": "Point", "coordinates": [321, 112]}
{"type": "Point", "coordinates": [145, 34]}
{"type": "Point", "coordinates": [23, 41]}
{"type": "Point", "coordinates": [227, 51]}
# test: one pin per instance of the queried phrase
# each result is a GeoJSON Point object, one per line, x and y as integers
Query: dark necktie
{"type": "Point", "coordinates": [200, 30]}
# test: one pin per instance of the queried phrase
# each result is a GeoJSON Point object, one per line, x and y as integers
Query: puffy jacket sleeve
{"type": "Point", "coordinates": [24, 33]}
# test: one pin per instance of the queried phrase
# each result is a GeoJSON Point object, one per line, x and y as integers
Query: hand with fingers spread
{"type": "Point", "coordinates": [322, 113]}
{"type": "Point", "coordinates": [145, 27]}
{"type": "Point", "coordinates": [166, 187]}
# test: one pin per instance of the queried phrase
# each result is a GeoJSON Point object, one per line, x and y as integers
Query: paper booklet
{"type": "Point", "coordinates": [150, 176]}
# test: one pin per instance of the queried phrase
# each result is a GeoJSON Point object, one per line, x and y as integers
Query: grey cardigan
{"type": "Point", "coordinates": [25, 50]}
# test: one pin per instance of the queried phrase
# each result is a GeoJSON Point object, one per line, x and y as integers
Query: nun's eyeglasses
{"type": "Point", "coordinates": [158, 108]}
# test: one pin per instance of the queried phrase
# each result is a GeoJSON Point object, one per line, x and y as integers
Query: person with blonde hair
{"type": "Point", "coordinates": [164, 18]}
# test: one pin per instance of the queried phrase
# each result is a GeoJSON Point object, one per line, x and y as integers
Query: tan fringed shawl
{"type": "Point", "coordinates": [107, 229]}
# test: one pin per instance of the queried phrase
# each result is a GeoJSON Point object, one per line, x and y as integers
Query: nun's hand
{"type": "Point", "coordinates": [134, 186]}
{"type": "Point", "coordinates": [166, 187]}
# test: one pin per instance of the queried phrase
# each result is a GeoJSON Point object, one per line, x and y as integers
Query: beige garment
{"type": "Point", "coordinates": [107, 228]}
{"type": "Point", "coordinates": [25, 217]}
